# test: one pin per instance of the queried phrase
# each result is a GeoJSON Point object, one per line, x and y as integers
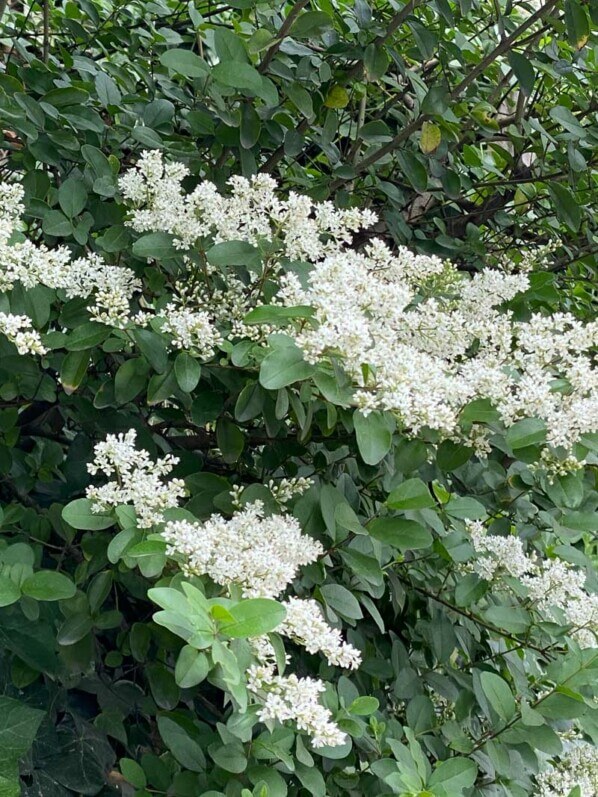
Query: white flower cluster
{"type": "Point", "coordinates": [305, 624]}
{"type": "Point", "coordinates": [17, 329]}
{"type": "Point", "coordinates": [497, 555]}
{"type": "Point", "coordinates": [526, 258]}
{"type": "Point", "coordinates": [192, 330]}
{"type": "Point", "coordinates": [252, 212]}
{"type": "Point", "coordinates": [576, 768]}
{"type": "Point", "coordinates": [287, 698]}
{"type": "Point", "coordinates": [290, 698]}
{"type": "Point", "coordinates": [408, 351]}
{"type": "Point", "coordinates": [554, 466]}
{"type": "Point", "coordinates": [31, 264]}
{"type": "Point", "coordinates": [557, 588]}
{"type": "Point", "coordinates": [284, 490]}
{"type": "Point", "coordinates": [261, 554]}
{"type": "Point", "coordinates": [413, 356]}
{"type": "Point", "coordinates": [138, 479]}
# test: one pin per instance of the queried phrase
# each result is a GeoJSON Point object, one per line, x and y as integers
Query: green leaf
{"type": "Point", "coordinates": [185, 63]}
{"type": "Point", "coordinates": [499, 695]}
{"type": "Point", "coordinates": [414, 169]}
{"type": "Point", "coordinates": [253, 617]}
{"type": "Point", "coordinates": [375, 61]}
{"type": "Point", "coordinates": [153, 348]}
{"type": "Point", "coordinates": [284, 366]}
{"type": "Point", "coordinates": [97, 161]}
{"type": "Point", "coordinates": [73, 370]}
{"type": "Point", "coordinates": [406, 535]}
{"type": "Point", "coordinates": [310, 23]}
{"type": "Point", "coordinates": [523, 70]}
{"type": "Point", "coordinates": [250, 402]}
{"type": "Point", "coordinates": [233, 253]}
{"type": "Point", "coordinates": [564, 117]}
{"type": "Point", "coordinates": [115, 239]}
{"type": "Point", "coordinates": [274, 314]}
{"type": "Point", "coordinates": [185, 750]}
{"type": "Point", "coordinates": [250, 128]}
{"type": "Point", "coordinates": [107, 90]}
{"type": "Point", "coordinates": [301, 98]}
{"type": "Point", "coordinates": [72, 197]}
{"type": "Point", "coordinates": [147, 549]}
{"type": "Point", "coordinates": [311, 779]}
{"type": "Point", "coordinates": [436, 100]}
{"type": "Point", "coordinates": [363, 706]}
{"type": "Point", "coordinates": [451, 456]}
{"type": "Point", "coordinates": [229, 757]}
{"type": "Point", "coordinates": [577, 22]}
{"type": "Point", "coordinates": [56, 223]}
{"type": "Point", "coordinates": [48, 585]}
{"type": "Point", "coordinates": [133, 773]}
{"type": "Point", "coordinates": [465, 507]}
{"type": "Point", "coordinates": [67, 96]}
{"type": "Point", "coordinates": [452, 776]}
{"type": "Point", "coordinates": [566, 205]}
{"type": "Point", "coordinates": [79, 515]}
{"type": "Point", "coordinates": [411, 494]}
{"type": "Point", "coordinates": [9, 591]}
{"type": "Point", "coordinates": [342, 601]}
{"type": "Point", "coordinates": [155, 246]}
{"type": "Point", "coordinates": [229, 46]}
{"type": "Point", "coordinates": [192, 667]}
{"type": "Point", "coordinates": [86, 336]}
{"type": "Point", "coordinates": [18, 728]}
{"type": "Point", "coordinates": [512, 618]}
{"type": "Point", "coordinates": [469, 589]}
{"type": "Point", "coordinates": [374, 435]}
{"type": "Point", "coordinates": [161, 386]}
{"type": "Point", "coordinates": [187, 371]}
{"type": "Point", "coordinates": [479, 411]}
{"type": "Point", "coordinates": [131, 378]}
{"type": "Point", "coordinates": [238, 75]}
{"type": "Point", "coordinates": [527, 432]}
{"type": "Point", "coordinates": [74, 629]}
{"type": "Point", "coordinates": [230, 439]}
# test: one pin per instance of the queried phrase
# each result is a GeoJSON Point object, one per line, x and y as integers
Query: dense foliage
{"type": "Point", "coordinates": [286, 507]}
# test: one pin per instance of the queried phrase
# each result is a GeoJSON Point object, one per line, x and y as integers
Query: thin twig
{"type": "Point", "coordinates": [417, 122]}
{"type": "Point", "coordinates": [46, 24]}
{"type": "Point", "coordinates": [282, 33]}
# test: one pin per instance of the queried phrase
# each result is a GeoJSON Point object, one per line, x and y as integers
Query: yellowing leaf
{"type": "Point", "coordinates": [337, 98]}
{"type": "Point", "coordinates": [430, 138]}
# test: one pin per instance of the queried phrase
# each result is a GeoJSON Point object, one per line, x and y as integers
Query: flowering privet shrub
{"type": "Point", "coordinates": [289, 516]}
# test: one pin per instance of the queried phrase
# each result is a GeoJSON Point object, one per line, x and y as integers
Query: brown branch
{"type": "Point", "coordinates": [416, 123]}
{"type": "Point", "coordinates": [396, 21]}
{"type": "Point", "coordinates": [282, 33]}
{"type": "Point", "coordinates": [278, 153]}
{"type": "Point", "coordinates": [46, 29]}
{"type": "Point", "coordinates": [475, 619]}
{"type": "Point", "coordinates": [501, 48]}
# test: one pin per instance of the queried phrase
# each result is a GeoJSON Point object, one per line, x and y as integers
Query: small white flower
{"type": "Point", "coordinates": [261, 554]}
{"type": "Point", "coordinates": [304, 623]}
{"type": "Point", "coordinates": [287, 698]}
{"type": "Point", "coordinates": [139, 481]}
{"type": "Point", "coordinates": [18, 329]}
{"type": "Point", "coordinates": [578, 767]}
